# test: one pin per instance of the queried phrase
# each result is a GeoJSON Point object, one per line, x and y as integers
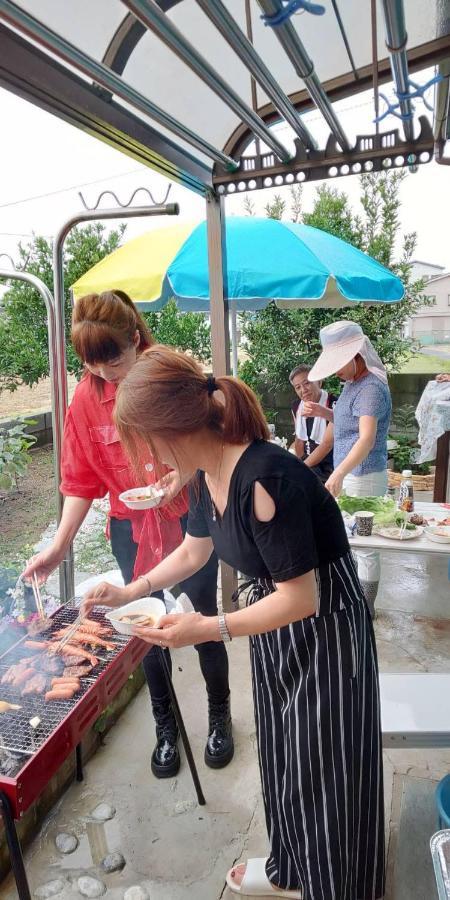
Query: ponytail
{"type": "Point", "coordinates": [242, 416]}
{"type": "Point", "coordinates": [166, 394]}
{"type": "Point", "coordinates": [104, 326]}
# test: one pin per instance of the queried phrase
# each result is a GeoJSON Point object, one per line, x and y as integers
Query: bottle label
{"type": "Point", "coordinates": [406, 497]}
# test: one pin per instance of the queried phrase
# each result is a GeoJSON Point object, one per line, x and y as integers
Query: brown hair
{"type": "Point", "coordinates": [166, 394]}
{"type": "Point", "coordinates": [104, 326]}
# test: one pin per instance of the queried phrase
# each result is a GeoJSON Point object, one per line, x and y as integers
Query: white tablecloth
{"type": "Point", "coordinates": [415, 545]}
{"type": "Point", "coordinates": [433, 418]}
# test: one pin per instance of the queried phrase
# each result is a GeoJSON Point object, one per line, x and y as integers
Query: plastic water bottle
{"type": "Point", "coordinates": [406, 492]}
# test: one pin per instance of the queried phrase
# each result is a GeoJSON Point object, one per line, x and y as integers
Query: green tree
{"type": "Point", "coordinates": [23, 323]}
{"type": "Point", "coordinates": [278, 339]}
{"type": "Point", "coordinates": [275, 207]}
{"type": "Point", "coordinates": [186, 331]}
{"type": "Point", "coordinates": [249, 206]}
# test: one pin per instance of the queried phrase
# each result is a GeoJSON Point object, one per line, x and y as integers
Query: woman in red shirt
{"type": "Point", "coordinates": [108, 335]}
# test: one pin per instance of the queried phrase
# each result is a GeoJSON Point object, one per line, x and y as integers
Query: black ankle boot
{"type": "Point", "coordinates": [165, 757]}
{"type": "Point", "coordinates": [219, 748]}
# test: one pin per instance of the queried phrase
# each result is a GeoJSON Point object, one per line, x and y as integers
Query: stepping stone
{"type": "Point", "coordinates": [103, 812]}
{"type": "Point", "coordinates": [136, 892]}
{"type": "Point", "coordinates": [114, 862]}
{"type": "Point", "coordinates": [50, 889]}
{"type": "Point", "coordinates": [66, 843]}
{"type": "Point", "coordinates": [91, 887]}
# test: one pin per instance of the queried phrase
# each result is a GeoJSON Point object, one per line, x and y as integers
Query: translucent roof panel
{"type": "Point", "coordinates": [151, 67]}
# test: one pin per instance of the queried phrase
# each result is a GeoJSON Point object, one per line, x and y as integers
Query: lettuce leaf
{"type": "Point", "coordinates": [385, 510]}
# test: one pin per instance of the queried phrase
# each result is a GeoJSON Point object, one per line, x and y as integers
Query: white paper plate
{"type": "Point", "coordinates": [393, 532]}
{"type": "Point", "coordinates": [440, 538]}
{"type": "Point", "coordinates": [150, 606]}
{"type": "Point", "coordinates": [152, 499]}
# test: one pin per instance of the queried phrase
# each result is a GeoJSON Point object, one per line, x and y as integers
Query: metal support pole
{"type": "Point", "coordinates": [217, 11]}
{"type": "Point", "coordinates": [56, 384]}
{"type": "Point", "coordinates": [220, 334]}
{"type": "Point", "coordinates": [396, 40]}
{"type": "Point", "coordinates": [181, 727]}
{"type": "Point", "coordinates": [304, 67]}
{"type": "Point", "coordinates": [234, 338]}
{"type": "Point", "coordinates": [58, 351]}
{"type": "Point", "coordinates": [15, 850]}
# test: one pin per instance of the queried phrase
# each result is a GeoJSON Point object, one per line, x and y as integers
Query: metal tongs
{"type": "Point", "coordinates": [37, 596]}
{"type": "Point", "coordinates": [69, 634]}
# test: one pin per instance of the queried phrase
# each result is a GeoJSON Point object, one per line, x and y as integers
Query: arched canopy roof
{"type": "Point", "coordinates": [176, 83]}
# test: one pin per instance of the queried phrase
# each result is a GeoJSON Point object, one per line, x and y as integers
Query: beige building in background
{"type": "Point", "coordinates": [431, 324]}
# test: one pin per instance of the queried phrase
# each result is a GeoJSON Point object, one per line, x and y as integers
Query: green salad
{"type": "Point", "coordinates": [384, 509]}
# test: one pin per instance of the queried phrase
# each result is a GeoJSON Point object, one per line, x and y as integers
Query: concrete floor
{"type": "Point", "coordinates": [181, 851]}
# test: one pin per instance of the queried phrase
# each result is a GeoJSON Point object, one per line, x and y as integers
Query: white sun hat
{"type": "Point", "coordinates": [341, 342]}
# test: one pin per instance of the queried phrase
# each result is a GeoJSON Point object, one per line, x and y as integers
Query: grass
{"type": "Point", "coordinates": [421, 364]}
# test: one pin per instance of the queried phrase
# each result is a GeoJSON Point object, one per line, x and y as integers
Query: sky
{"type": "Point", "coordinates": [44, 162]}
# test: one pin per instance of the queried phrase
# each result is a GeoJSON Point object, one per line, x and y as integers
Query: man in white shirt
{"type": "Point", "coordinates": [311, 414]}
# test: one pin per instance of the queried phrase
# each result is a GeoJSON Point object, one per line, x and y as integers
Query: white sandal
{"type": "Point", "coordinates": [255, 882]}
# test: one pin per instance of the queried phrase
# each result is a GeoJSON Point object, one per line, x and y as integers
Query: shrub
{"type": "Point", "coordinates": [14, 456]}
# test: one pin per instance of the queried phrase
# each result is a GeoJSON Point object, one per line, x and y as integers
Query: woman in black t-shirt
{"type": "Point", "coordinates": [314, 667]}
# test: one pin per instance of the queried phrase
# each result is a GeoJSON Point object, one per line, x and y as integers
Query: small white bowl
{"type": "Point", "coordinates": [438, 533]}
{"type": "Point", "coordinates": [148, 606]}
{"type": "Point", "coordinates": [149, 496]}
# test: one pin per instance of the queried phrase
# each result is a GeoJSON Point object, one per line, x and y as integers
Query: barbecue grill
{"type": "Point", "coordinates": [29, 757]}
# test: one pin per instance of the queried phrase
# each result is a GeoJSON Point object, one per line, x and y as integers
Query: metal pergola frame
{"type": "Point", "coordinates": [34, 64]}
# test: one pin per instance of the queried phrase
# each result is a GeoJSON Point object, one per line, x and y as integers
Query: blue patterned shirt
{"type": "Point", "coordinates": [367, 397]}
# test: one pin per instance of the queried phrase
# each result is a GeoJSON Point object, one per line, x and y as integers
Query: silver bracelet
{"type": "Point", "coordinates": [148, 582]}
{"type": "Point", "coordinates": [223, 628]}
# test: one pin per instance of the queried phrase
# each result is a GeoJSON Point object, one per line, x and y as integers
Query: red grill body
{"type": "Point", "coordinates": [75, 716]}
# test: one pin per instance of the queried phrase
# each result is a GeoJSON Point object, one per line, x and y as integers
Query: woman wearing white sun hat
{"type": "Point", "coordinates": [360, 426]}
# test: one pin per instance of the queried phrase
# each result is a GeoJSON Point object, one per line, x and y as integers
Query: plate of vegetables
{"type": "Point", "coordinates": [388, 520]}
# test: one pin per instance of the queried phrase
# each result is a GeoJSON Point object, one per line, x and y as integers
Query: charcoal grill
{"type": "Point", "coordinates": [30, 757]}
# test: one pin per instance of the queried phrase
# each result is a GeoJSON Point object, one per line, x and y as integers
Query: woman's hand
{"type": "Point", "coordinates": [314, 409]}
{"type": "Point", "coordinates": [171, 484]}
{"type": "Point", "coordinates": [334, 483]}
{"type": "Point", "coordinates": [104, 594]}
{"type": "Point", "coordinates": [180, 630]}
{"type": "Point", "coordinates": [43, 564]}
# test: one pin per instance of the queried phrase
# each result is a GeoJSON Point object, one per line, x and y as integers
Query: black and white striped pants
{"type": "Point", "coordinates": [315, 686]}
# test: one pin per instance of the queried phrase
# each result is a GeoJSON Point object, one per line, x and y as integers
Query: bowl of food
{"type": "Point", "coordinates": [438, 533]}
{"type": "Point", "coordinates": [146, 611]}
{"type": "Point", "coordinates": [142, 498]}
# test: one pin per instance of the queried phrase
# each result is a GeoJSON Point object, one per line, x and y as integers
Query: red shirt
{"type": "Point", "coordinates": [94, 464]}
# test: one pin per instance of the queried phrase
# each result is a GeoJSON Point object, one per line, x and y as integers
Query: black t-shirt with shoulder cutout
{"type": "Point", "coordinates": [306, 531]}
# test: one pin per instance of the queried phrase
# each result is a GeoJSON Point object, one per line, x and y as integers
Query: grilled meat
{"type": "Point", "coordinates": [91, 639]}
{"type": "Point", "coordinates": [60, 693]}
{"type": "Point", "coordinates": [95, 627]}
{"type": "Point", "coordinates": [73, 652]}
{"type": "Point", "coordinates": [51, 665]}
{"type": "Point", "coordinates": [77, 671]}
{"type": "Point", "coordinates": [14, 675]}
{"type": "Point", "coordinates": [36, 645]}
{"type": "Point", "coordinates": [21, 676]}
{"type": "Point", "coordinates": [35, 685]}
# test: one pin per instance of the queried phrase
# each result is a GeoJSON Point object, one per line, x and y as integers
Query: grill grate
{"type": "Point", "coordinates": [18, 739]}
